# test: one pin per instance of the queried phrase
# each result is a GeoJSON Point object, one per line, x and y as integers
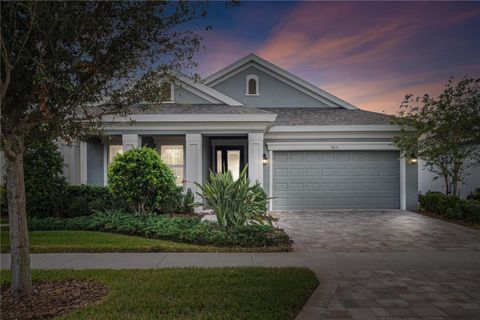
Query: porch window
{"type": "Point", "coordinates": [172, 156]}
{"type": "Point", "coordinates": [113, 150]}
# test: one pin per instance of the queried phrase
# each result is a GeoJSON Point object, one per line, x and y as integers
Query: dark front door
{"type": "Point", "coordinates": [229, 158]}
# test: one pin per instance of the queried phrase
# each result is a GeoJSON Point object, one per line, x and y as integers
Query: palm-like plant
{"type": "Point", "coordinates": [235, 202]}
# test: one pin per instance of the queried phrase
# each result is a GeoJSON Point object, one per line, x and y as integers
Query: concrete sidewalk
{"type": "Point", "coordinates": [318, 261]}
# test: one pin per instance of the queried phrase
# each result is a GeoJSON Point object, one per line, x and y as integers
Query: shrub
{"type": "Point", "coordinates": [172, 201]}
{"type": "Point", "coordinates": [44, 182]}
{"type": "Point", "coordinates": [188, 203]}
{"type": "Point", "coordinates": [451, 207]}
{"type": "Point", "coordinates": [85, 199]}
{"type": "Point", "coordinates": [471, 211]}
{"type": "Point", "coordinates": [474, 195]}
{"type": "Point", "coordinates": [142, 180]}
{"type": "Point", "coordinates": [235, 202]}
{"type": "Point", "coordinates": [184, 229]}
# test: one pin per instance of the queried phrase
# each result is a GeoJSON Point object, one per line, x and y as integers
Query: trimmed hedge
{"type": "Point", "coordinates": [85, 199]}
{"type": "Point", "coordinates": [182, 229]}
{"type": "Point", "coordinates": [451, 207]}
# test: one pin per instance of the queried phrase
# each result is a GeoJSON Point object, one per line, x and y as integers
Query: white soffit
{"type": "Point", "coordinates": [206, 92]}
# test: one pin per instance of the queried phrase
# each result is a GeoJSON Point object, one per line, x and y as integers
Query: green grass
{"type": "Point", "coordinates": [193, 293]}
{"type": "Point", "coordinates": [91, 241]}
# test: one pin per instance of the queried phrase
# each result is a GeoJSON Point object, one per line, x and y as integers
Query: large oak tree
{"type": "Point", "coordinates": [65, 64]}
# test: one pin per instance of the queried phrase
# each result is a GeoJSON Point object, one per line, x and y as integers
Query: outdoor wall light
{"type": "Point", "coordinates": [413, 159]}
{"type": "Point", "coordinates": [265, 159]}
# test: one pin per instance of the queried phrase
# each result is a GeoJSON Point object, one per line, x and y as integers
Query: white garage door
{"type": "Point", "coordinates": [335, 180]}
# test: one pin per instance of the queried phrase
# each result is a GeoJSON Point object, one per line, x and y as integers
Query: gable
{"type": "Point", "coordinates": [272, 91]}
{"type": "Point", "coordinates": [300, 92]}
{"type": "Point", "coordinates": [184, 96]}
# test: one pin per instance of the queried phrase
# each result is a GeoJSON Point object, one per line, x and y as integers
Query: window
{"type": "Point", "coordinates": [113, 150]}
{"type": "Point", "coordinates": [172, 156]}
{"type": "Point", "coordinates": [167, 92]}
{"type": "Point", "coordinates": [252, 85]}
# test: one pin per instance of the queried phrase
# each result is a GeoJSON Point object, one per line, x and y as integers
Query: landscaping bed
{"type": "Point", "coordinates": [189, 293]}
{"type": "Point", "coordinates": [52, 298]}
{"type": "Point", "coordinates": [179, 229]}
{"type": "Point", "coordinates": [451, 208]}
{"type": "Point", "coordinates": [93, 241]}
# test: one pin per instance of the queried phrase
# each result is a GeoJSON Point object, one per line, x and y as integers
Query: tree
{"type": "Point", "coordinates": [65, 65]}
{"type": "Point", "coordinates": [443, 131]}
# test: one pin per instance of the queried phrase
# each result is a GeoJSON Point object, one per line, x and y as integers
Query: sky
{"type": "Point", "coordinates": [370, 54]}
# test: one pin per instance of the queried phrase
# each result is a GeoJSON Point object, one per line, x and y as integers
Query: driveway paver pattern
{"type": "Point", "coordinates": [408, 290]}
{"type": "Point", "coordinates": [374, 231]}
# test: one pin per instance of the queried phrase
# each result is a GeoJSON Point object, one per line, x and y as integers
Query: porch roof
{"type": "Point", "coordinates": [197, 109]}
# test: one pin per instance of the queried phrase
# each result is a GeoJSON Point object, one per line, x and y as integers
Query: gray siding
{"type": "Point", "coordinates": [95, 163]}
{"type": "Point", "coordinates": [184, 96]}
{"type": "Point", "coordinates": [273, 92]}
{"type": "Point", "coordinates": [411, 182]}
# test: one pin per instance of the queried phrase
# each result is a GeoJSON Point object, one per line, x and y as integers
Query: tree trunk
{"type": "Point", "coordinates": [21, 283]}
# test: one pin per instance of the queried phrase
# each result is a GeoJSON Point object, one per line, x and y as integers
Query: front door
{"type": "Point", "coordinates": [229, 158]}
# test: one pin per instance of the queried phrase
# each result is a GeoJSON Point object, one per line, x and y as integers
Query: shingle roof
{"type": "Point", "coordinates": [326, 116]}
{"type": "Point", "coordinates": [198, 109]}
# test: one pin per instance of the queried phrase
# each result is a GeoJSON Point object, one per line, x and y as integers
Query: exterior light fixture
{"type": "Point", "coordinates": [413, 159]}
{"type": "Point", "coordinates": [265, 159]}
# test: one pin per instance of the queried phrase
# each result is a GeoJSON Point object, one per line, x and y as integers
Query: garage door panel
{"type": "Point", "coordinates": [335, 179]}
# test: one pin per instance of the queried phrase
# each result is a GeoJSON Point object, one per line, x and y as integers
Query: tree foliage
{"type": "Point", "coordinates": [65, 64]}
{"type": "Point", "coordinates": [444, 131]}
{"type": "Point", "coordinates": [44, 181]}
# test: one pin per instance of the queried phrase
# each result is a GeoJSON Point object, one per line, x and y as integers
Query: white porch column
{"type": "Point", "coordinates": [193, 165]}
{"type": "Point", "coordinates": [255, 157]}
{"type": "Point", "coordinates": [130, 141]}
{"type": "Point", "coordinates": [83, 162]}
{"type": "Point", "coordinates": [403, 183]}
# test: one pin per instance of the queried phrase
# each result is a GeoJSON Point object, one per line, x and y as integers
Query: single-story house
{"type": "Point", "coordinates": [308, 148]}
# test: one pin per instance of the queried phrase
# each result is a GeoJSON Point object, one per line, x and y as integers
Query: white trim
{"type": "Point", "coordinates": [105, 163]}
{"type": "Point", "coordinates": [270, 180]}
{"type": "Point", "coordinates": [193, 164]}
{"type": "Point", "coordinates": [334, 146]}
{"type": "Point", "coordinates": [281, 74]}
{"type": "Point", "coordinates": [209, 91]}
{"type": "Point", "coordinates": [403, 183]}
{"type": "Point", "coordinates": [335, 128]}
{"type": "Point", "coordinates": [247, 79]}
{"type": "Point", "coordinates": [328, 135]}
{"type": "Point", "coordinates": [255, 157]}
{"type": "Point", "coordinates": [184, 127]}
{"type": "Point", "coordinates": [257, 117]}
{"type": "Point", "coordinates": [83, 163]}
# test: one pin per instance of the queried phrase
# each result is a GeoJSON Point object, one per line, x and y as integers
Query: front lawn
{"type": "Point", "coordinates": [90, 241]}
{"type": "Point", "coordinates": [193, 293]}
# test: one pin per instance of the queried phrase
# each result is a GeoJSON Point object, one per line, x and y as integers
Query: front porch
{"type": "Point", "coordinates": [191, 156]}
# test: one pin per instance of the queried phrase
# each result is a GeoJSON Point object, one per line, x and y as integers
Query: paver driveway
{"type": "Point", "coordinates": [368, 291]}
{"type": "Point", "coordinates": [374, 231]}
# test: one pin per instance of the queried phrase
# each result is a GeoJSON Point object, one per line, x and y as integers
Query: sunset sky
{"type": "Point", "coordinates": [368, 53]}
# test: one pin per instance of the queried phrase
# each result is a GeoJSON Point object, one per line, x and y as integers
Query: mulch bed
{"type": "Point", "coordinates": [440, 217]}
{"type": "Point", "coordinates": [51, 299]}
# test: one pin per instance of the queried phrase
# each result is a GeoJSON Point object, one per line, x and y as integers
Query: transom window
{"type": "Point", "coordinates": [113, 150]}
{"type": "Point", "coordinates": [252, 85]}
{"type": "Point", "coordinates": [172, 156]}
